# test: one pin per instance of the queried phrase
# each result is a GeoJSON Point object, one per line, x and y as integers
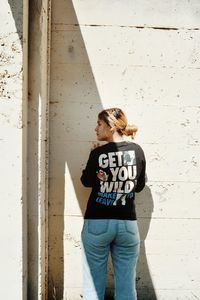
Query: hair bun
{"type": "Point", "coordinates": [130, 130]}
{"type": "Point", "coordinates": [115, 117]}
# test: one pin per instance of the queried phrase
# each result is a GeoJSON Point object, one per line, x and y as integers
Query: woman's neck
{"type": "Point", "coordinates": [116, 138]}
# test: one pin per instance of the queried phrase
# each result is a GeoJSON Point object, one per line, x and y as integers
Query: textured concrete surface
{"type": "Point", "coordinates": [142, 56]}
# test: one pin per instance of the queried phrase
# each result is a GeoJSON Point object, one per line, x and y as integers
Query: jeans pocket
{"type": "Point", "coordinates": [97, 227]}
{"type": "Point", "coordinates": [131, 227]}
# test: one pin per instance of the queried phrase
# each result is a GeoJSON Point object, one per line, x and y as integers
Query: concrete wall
{"type": "Point", "coordinates": [142, 56]}
{"type": "Point", "coordinates": [13, 128]}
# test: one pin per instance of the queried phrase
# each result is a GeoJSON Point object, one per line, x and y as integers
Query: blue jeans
{"type": "Point", "coordinates": [121, 238]}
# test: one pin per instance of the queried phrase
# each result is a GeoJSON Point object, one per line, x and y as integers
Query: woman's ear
{"type": "Point", "coordinates": [112, 129]}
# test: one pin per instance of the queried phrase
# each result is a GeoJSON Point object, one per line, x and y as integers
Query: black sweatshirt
{"type": "Point", "coordinates": [115, 171]}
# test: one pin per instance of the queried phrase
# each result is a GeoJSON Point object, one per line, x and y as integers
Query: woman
{"type": "Point", "coordinates": [115, 171]}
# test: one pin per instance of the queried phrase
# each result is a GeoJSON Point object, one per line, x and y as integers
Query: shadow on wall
{"type": "Point", "coordinates": [144, 208]}
{"type": "Point", "coordinates": [74, 105]}
{"type": "Point", "coordinates": [16, 6]}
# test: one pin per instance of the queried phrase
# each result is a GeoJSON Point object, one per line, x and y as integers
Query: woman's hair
{"type": "Point", "coordinates": [115, 117]}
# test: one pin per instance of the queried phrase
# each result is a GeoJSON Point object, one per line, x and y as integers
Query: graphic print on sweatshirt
{"type": "Point", "coordinates": [117, 174]}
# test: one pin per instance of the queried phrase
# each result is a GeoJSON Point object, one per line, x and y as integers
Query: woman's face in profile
{"type": "Point", "coordinates": [103, 131]}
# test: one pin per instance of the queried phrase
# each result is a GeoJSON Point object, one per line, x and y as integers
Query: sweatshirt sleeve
{"type": "Point", "coordinates": [142, 176]}
{"type": "Point", "coordinates": [88, 174]}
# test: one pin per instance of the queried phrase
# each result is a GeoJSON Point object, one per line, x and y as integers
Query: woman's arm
{"type": "Point", "coordinates": [141, 180]}
{"type": "Point", "coordinates": [88, 174]}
